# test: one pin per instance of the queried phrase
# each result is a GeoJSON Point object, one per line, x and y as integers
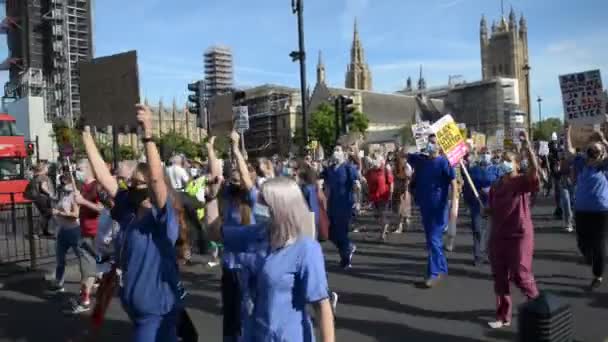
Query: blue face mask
{"type": "Point", "coordinates": [523, 165]}
{"type": "Point", "coordinates": [485, 159]}
{"type": "Point", "coordinates": [506, 167]}
{"type": "Point", "coordinates": [431, 148]}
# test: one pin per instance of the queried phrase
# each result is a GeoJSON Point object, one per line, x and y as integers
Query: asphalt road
{"type": "Point", "coordinates": [379, 298]}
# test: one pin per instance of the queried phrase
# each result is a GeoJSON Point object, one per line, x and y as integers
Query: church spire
{"type": "Point", "coordinates": [421, 81]}
{"type": "Point", "coordinates": [512, 20]}
{"type": "Point", "coordinates": [408, 84]}
{"type": "Point", "coordinates": [320, 69]}
{"type": "Point", "coordinates": [358, 75]}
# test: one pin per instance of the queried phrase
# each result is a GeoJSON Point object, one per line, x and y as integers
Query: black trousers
{"type": "Point", "coordinates": [231, 304]}
{"type": "Point", "coordinates": [591, 236]}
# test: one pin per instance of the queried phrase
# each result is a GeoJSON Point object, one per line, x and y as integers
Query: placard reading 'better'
{"type": "Point", "coordinates": [582, 95]}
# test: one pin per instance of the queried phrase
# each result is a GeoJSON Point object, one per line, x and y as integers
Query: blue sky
{"type": "Point", "coordinates": [398, 35]}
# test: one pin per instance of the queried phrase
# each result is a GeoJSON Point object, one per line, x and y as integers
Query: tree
{"type": "Point", "coordinates": [360, 123]}
{"type": "Point", "coordinates": [172, 143]}
{"type": "Point", "coordinates": [322, 126]}
{"type": "Point", "coordinates": [544, 129]}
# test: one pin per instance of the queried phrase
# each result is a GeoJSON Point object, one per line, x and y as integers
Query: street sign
{"type": "Point", "coordinates": [241, 118]}
{"type": "Point", "coordinates": [583, 96]}
{"type": "Point", "coordinates": [450, 139]}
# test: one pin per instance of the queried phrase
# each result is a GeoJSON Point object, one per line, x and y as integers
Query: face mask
{"type": "Point", "coordinates": [506, 167]}
{"type": "Point", "coordinates": [137, 196]}
{"type": "Point", "coordinates": [338, 157]}
{"type": "Point", "coordinates": [524, 164]}
{"type": "Point", "coordinates": [79, 175]}
{"type": "Point", "coordinates": [193, 173]}
{"type": "Point", "coordinates": [593, 153]}
{"type": "Point", "coordinates": [485, 159]}
{"type": "Point", "coordinates": [431, 148]}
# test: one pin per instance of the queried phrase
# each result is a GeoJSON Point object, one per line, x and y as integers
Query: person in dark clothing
{"type": "Point", "coordinates": [554, 176]}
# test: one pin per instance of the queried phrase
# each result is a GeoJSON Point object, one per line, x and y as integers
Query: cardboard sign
{"type": "Point", "coordinates": [450, 139]}
{"type": "Point", "coordinates": [241, 118]}
{"type": "Point", "coordinates": [579, 134]}
{"type": "Point", "coordinates": [463, 129]}
{"type": "Point", "coordinates": [109, 91]}
{"type": "Point", "coordinates": [421, 132]}
{"type": "Point", "coordinates": [583, 97]}
{"type": "Point", "coordinates": [543, 148]}
{"type": "Point", "coordinates": [500, 139]}
{"type": "Point", "coordinates": [479, 140]}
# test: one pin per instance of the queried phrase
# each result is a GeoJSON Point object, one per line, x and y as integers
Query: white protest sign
{"type": "Point", "coordinates": [500, 139]}
{"type": "Point", "coordinates": [241, 118]}
{"type": "Point", "coordinates": [421, 132]}
{"type": "Point", "coordinates": [543, 148]}
{"type": "Point", "coordinates": [583, 97]}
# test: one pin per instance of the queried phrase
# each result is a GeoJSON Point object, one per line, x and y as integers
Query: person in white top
{"type": "Point", "coordinates": [177, 174]}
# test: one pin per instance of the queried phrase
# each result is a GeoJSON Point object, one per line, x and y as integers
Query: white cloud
{"type": "Point", "coordinates": [449, 4]}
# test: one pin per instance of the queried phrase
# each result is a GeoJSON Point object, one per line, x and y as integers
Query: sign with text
{"type": "Point", "coordinates": [543, 148]}
{"type": "Point", "coordinates": [582, 96]}
{"type": "Point", "coordinates": [580, 134]}
{"type": "Point", "coordinates": [450, 139]}
{"type": "Point", "coordinates": [241, 118]}
{"type": "Point", "coordinates": [109, 91]}
{"type": "Point", "coordinates": [479, 140]}
{"type": "Point", "coordinates": [421, 133]}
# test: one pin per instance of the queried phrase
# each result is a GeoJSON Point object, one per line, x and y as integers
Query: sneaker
{"type": "Point", "coordinates": [333, 299]}
{"type": "Point", "coordinates": [353, 249]}
{"type": "Point", "coordinates": [356, 230]}
{"type": "Point", "coordinates": [81, 307]}
{"type": "Point", "coordinates": [55, 287]}
{"type": "Point", "coordinates": [499, 324]}
{"type": "Point", "coordinates": [595, 283]}
{"type": "Point", "coordinates": [432, 282]}
{"type": "Point", "coordinates": [569, 229]}
{"type": "Point", "coordinates": [212, 264]}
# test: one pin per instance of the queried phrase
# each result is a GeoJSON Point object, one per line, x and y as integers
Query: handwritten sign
{"type": "Point", "coordinates": [582, 96]}
{"type": "Point", "coordinates": [543, 148]}
{"type": "Point", "coordinates": [421, 132]}
{"type": "Point", "coordinates": [580, 134]}
{"type": "Point", "coordinates": [450, 139]}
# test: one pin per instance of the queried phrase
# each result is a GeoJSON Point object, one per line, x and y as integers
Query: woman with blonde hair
{"type": "Point", "coordinates": [284, 263]}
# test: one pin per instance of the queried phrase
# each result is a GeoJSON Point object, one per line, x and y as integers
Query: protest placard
{"type": "Point", "coordinates": [479, 140]}
{"type": "Point", "coordinates": [450, 139]}
{"type": "Point", "coordinates": [109, 90]}
{"type": "Point", "coordinates": [543, 148]}
{"type": "Point", "coordinates": [500, 139]}
{"type": "Point", "coordinates": [580, 134]}
{"type": "Point", "coordinates": [421, 132]}
{"type": "Point", "coordinates": [463, 129]}
{"type": "Point", "coordinates": [583, 97]}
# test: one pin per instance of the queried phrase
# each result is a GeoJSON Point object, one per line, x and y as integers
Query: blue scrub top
{"type": "Point", "coordinates": [483, 177]}
{"type": "Point", "coordinates": [591, 186]}
{"type": "Point", "coordinates": [232, 213]}
{"type": "Point", "coordinates": [433, 177]}
{"type": "Point", "coordinates": [148, 259]}
{"type": "Point", "coordinates": [340, 182]}
{"type": "Point", "coordinates": [310, 194]}
{"type": "Point", "coordinates": [281, 283]}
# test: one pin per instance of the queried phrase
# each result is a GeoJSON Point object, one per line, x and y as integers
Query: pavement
{"type": "Point", "coordinates": [379, 299]}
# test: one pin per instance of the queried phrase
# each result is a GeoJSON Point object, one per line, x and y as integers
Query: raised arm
{"type": "Point", "coordinates": [240, 161]}
{"type": "Point", "coordinates": [533, 168]}
{"type": "Point", "coordinates": [98, 165]}
{"type": "Point", "coordinates": [212, 213]}
{"type": "Point", "coordinates": [156, 182]}
{"type": "Point", "coordinates": [569, 148]}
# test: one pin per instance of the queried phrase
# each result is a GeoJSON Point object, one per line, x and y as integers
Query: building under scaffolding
{"type": "Point", "coordinates": [219, 77]}
{"type": "Point", "coordinates": [274, 115]}
{"type": "Point", "coordinates": [46, 41]}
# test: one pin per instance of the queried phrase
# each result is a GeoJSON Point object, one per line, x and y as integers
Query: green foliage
{"type": "Point", "coordinates": [127, 153]}
{"type": "Point", "coordinates": [172, 143]}
{"type": "Point", "coordinates": [322, 126]}
{"type": "Point", "coordinates": [64, 135]}
{"type": "Point", "coordinates": [360, 123]}
{"type": "Point", "coordinates": [543, 130]}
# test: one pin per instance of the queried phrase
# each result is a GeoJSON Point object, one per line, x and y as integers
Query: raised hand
{"type": "Point", "coordinates": [234, 138]}
{"type": "Point", "coordinates": [144, 118]}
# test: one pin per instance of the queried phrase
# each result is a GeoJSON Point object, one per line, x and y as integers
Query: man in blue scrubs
{"type": "Point", "coordinates": [483, 176]}
{"type": "Point", "coordinates": [433, 177]}
{"type": "Point", "coordinates": [340, 179]}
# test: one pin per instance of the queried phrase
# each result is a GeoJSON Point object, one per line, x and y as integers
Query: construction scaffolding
{"type": "Point", "coordinates": [219, 74]}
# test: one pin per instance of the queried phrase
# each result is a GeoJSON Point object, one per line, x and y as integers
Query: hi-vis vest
{"type": "Point", "coordinates": [196, 188]}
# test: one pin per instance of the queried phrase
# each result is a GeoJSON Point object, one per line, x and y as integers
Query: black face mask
{"type": "Point", "coordinates": [136, 196]}
{"type": "Point", "coordinates": [593, 154]}
{"type": "Point", "coordinates": [234, 190]}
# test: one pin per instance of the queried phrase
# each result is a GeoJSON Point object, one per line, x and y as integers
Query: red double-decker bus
{"type": "Point", "coordinates": [13, 156]}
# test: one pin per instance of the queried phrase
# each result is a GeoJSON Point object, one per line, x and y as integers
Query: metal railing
{"type": "Point", "coordinates": [20, 224]}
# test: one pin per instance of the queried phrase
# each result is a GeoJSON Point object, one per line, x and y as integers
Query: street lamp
{"type": "Point", "coordinates": [526, 70]}
{"type": "Point", "coordinates": [297, 7]}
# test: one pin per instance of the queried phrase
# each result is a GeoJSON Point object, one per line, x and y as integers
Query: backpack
{"type": "Point", "coordinates": [32, 190]}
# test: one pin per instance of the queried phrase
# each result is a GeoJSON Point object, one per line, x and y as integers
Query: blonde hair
{"type": "Point", "coordinates": [289, 211]}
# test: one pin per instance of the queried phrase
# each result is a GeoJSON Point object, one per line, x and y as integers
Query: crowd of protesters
{"type": "Point", "coordinates": [262, 221]}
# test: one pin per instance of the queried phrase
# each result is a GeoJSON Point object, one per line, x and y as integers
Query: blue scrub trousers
{"type": "Point", "coordinates": [339, 221]}
{"type": "Point", "coordinates": [434, 221]}
{"type": "Point", "coordinates": [155, 328]}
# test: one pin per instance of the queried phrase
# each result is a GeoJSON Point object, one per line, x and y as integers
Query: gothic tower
{"type": "Point", "coordinates": [358, 75]}
{"type": "Point", "coordinates": [320, 70]}
{"type": "Point", "coordinates": [504, 52]}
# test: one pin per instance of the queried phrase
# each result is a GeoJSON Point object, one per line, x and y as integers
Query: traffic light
{"type": "Point", "coordinates": [30, 149]}
{"type": "Point", "coordinates": [347, 109]}
{"type": "Point", "coordinates": [196, 99]}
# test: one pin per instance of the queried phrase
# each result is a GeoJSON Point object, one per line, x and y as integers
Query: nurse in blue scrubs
{"type": "Point", "coordinates": [433, 178]}
{"type": "Point", "coordinates": [288, 272]}
{"type": "Point", "coordinates": [149, 220]}
{"type": "Point", "coordinates": [340, 179]}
